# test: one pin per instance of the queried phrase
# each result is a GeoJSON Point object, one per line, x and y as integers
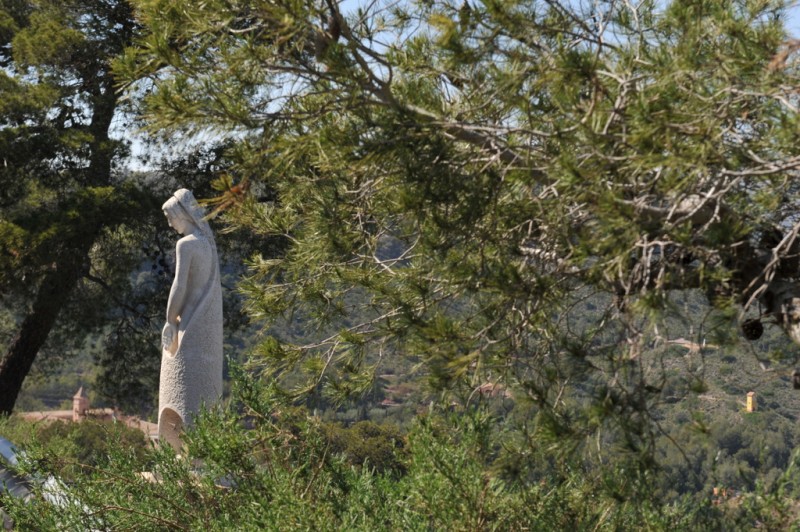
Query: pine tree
{"type": "Point", "coordinates": [458, 181]}
{"type": "Point", "coordinates": [62, 201]}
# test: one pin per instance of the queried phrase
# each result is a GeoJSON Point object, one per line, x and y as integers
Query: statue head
{"type": "Point", "coordinates": [184, 214]}
{"type": "Point", "coordinates": [177, 217]}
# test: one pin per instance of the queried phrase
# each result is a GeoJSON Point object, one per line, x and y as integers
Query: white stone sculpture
{"type": "Point", "coordinates": [191, 360]}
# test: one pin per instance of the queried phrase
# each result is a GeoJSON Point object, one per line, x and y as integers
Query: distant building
{"type": "Point", "coordinates": [81, 410]}
{"type": "Point", "coordinates": [751, 401]}
{"type": "Point", "coordinates": [80, 405]}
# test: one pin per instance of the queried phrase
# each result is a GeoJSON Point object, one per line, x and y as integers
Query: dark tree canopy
{"type": "Point", "coordinates": [67, 215]}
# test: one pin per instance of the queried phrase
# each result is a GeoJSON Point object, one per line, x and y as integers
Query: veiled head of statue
{"type": "Point", "coordinates": [185, 214]}
{"type": "Point", "coordinates": [177, 216]}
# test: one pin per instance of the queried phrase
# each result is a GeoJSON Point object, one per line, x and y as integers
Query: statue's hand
{"type": "Point", "coordinates": [169, 336]}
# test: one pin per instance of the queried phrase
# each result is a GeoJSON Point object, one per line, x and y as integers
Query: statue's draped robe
{"type": "Point", "coordinates": [191, 368]}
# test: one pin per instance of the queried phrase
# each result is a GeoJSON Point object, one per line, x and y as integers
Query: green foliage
{"type": "Point", "coordinates": [269, 465]}
{"type": "Point", "coordinates": [451, 195]}
{"type": "Point", "coordinates": [367, 444]}
{"type": "Point", "coordinates": [74, 450]}
{"type": "Point", "coordinates": [266, 464]}
{"type": "Point", "coordinates": [46, 41]}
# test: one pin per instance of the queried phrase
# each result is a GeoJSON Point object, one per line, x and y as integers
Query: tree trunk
{"type": "Point", "coordinates": [58, 283]}
{"type": "Point", "coordinates": [53, 293]}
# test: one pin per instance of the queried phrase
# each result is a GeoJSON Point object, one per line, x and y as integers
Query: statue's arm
{"type": "Point", "coordinates": [177, 296]}
{"type": "Point", "coordinates": [180, 285]}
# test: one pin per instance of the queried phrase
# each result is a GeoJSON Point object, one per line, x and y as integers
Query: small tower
{"type": "Point", "coordinates": [80, 404]}
{"type": "Point", "coordinates": [751, 401]}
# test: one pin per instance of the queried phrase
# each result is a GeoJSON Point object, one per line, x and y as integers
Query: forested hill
{"type": "Point", "coordinates": [706, 437]}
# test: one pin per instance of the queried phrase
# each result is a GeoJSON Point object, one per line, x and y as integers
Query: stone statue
{"type": "Point", "coordinates": [191, 361]}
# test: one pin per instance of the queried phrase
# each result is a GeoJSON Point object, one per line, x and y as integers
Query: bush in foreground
{"type": "Point", "coordinates": [264, 464]}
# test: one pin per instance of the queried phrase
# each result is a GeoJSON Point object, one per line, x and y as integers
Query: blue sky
{"type": "Point", "coordinates": [793, 23]}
